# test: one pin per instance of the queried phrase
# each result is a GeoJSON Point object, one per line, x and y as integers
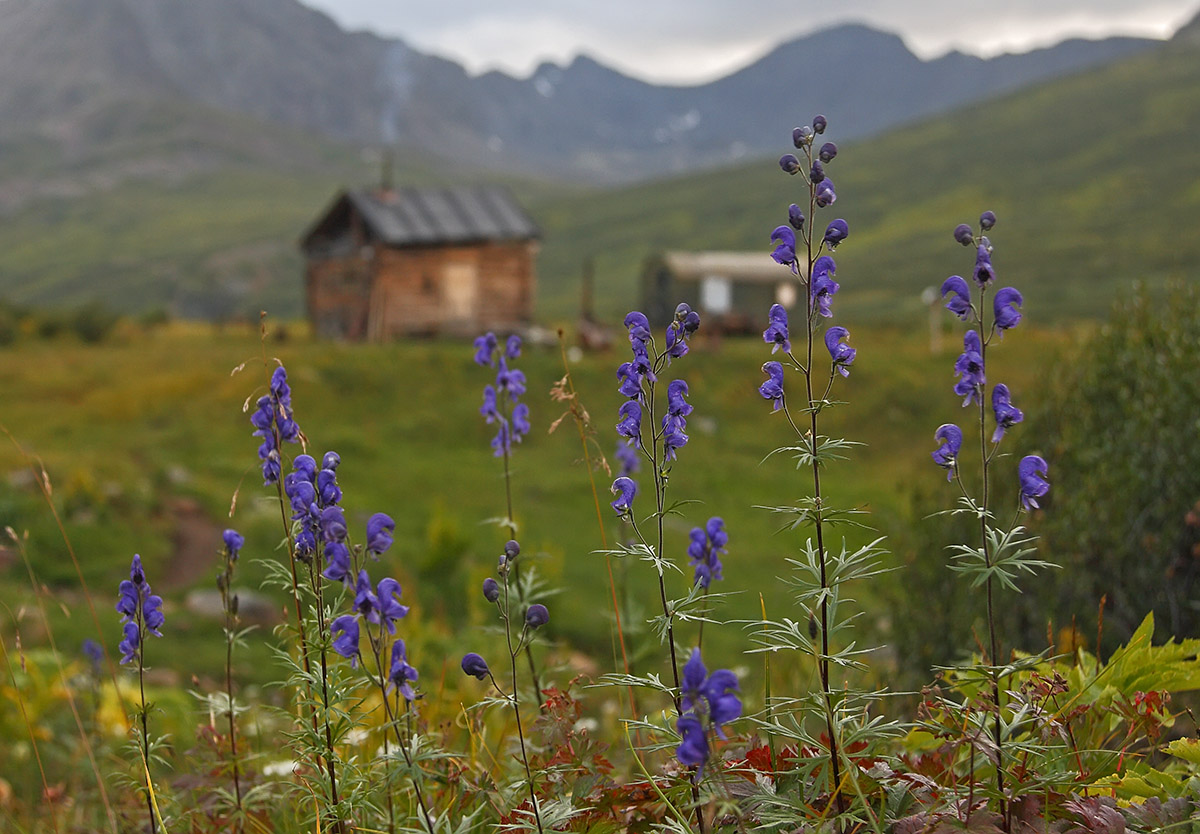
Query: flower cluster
{"type": "Point", "coordinates": [634, 378]}
{"type": "Point", "coordinates": [501, 403]}
{"type": "Point", "coordinates": [819, 268]}
{"type": "Point", "coordinates": [273, 422]}
{"type": "Point", "coordinates": [707, 702]}
{"type": "Point", "coordinates": [969, 368]}
{"type": "Point", "coordinates": [320, 523]}
{"type": "Point", "coordinates": [707, 545]}
{"type": "Point", "coordinates": [377, 605]}
{"type": "Point", "coordinates": [140, 610]}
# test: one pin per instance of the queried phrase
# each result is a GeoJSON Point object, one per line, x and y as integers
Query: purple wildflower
{"type": "Point", "coordinates": [802, 136]}
{"type": "Point", "coordinates": [331, 461]}
{"type": "Point", "coordinates": [963, 234]}
{"type": "Point", "coordinates": [129, 646]}
{"type": "Point", "coordinates": [337, 563]}
{"type": "Point", "coordinates": [673, 435]}
{"type": "Point", "coordinates": [950, 439]}
{"type": "Point", "coordinates": [677, 406]}
{"type": "Point", "coordinates": [842, 355]}
{"type": "Point", "coordinates": [823, 287]}
{"type": "Point", "coordinates": [1007, 307]}
{"type": "Point", "coordinates": [828, 152]}
{"type": "Point", "coordinates": [789, 163]}
{"type": "Point", "coordinates": [511, 381]}
{"type": "Point", "coordinates": [491, 589]}
{"type": "Point", "coordinates": [987, 220]}
{"type": "Point", "coordinates": [707, 545]}
{"type": "Point", "coordinates": [631, 381]}
{"type": "Point", "coordinates": [390, 609]}
{"type": "Point", "coordinates": [785, 251]}
{"type": "Point", "coordinates": [233, 543]}
{"type": "Point", "coordinates": [819, 123]}
{"type": "Point", "coordinates": [485, 348]}
{"type": "Point", "coordinates": [776, 333]}
{"type": "Point", "coordinates": [826, 195]}
{"type": "Point", "coordinates": [625, 489]}
{"type": "Point", "coordinates": [1007, 414]}
{"type": "Point", "coordinates": [837, 231]}
{"type": "Point", "coordinates": [772, 389]}
{"type": "Point", "coordinates": [345, 637]}
{"type": "Point", "coordinates": [488, 409]}
{"type": "Point", "coordinates": [520, 421]}
{"type": "Point", "coordinates": [328, 491]}
{"type": "Point", "coordinates": [379, 533]}
{"type": "Point", "coordinates": [365, 601]}
{"type": "Point", "coordinates": [400, 674]}
{"type": "Point", "coordinates": [1031, 472]}
{"type": "Point", "coordinates": [969, 369]}
{"type": "Point", "coordinates": [333, 524]}
{"type": "Point", "coordinates": [630, 423]}
{"type": "Point", "coordinates": [716, 692]}
{"type": "Point", "coordinates": [960, 304]}
{"type": "Point", "coordinates": [817, 173]}
{"type": "Point", "coordinates": [512, 348]}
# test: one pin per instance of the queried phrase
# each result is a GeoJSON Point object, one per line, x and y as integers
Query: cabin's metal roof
{"type": "Point", "coordinates": [753, 267]}
{"type": "Point", "coordinates": [433, 216]}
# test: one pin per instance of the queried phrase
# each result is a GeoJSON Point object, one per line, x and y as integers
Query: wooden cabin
{"type": "Point", "coordinates": [732, 291]}
{"type": "Point", "coordinates": [387, 263]}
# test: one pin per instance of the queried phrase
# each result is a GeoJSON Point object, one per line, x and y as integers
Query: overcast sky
{"type": "Point", "coordinates": [685, 42]}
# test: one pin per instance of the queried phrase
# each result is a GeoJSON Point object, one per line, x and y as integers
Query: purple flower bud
{"type": "Point", "coordinates": [491, 589]}
{"type": "Point", "coordinates": [474, 665]}
{"type": "Point", "coordinates": [817, 173]}
{"type": "Point", "coordinates": [960, 304]}
{"type": "Point", "coordinates": [963, 234]}
{"type": "Point", "coordinates": [950, 439]}
{"type": "Point", "coordinates": [512, 549]}
{"type": "Point", "coordinates": [333, 524]}
{"type": "Point", "coordinates": [795, 217]}
{"type": "Point", "coordinates": [987, 220]}
{"type": "Point", "coordinates": [984, 274]}
{"type": "Point", "coordinates": [826, 196]}
{"type": "Point", "coordinates": [789, 163]}
{"type": "Point", "coordinates": [331, 461]}
{"type": "Point", "coordinates": [772, 389]}
{"type": "Point", "coordinates": [512, 348]}
{"type": "Point", "coordinates": [843, 355]}
{"type": "Point", "coordinates": [625, 489]}
{"type": "Point", "coordinates": [836, 232]}
{"type": "Point", "coordinates": [1031, 471]}
{"type": "Point", "coordinates": [819, 124]}
{"type": "Point", "coordinates": [304, 467]}
{"type": "Point", "coordinates": [136, 574]}
{"type": "Point", "coordinates": [828, 152]}
{"type": "Point", "coordinates": [1007, 414]}
{"type": "Point", "coordinates": [536, 615]}
{"type": "Point", "coordinates": [802, 136]}
{"type": "Point", "coordinates": [1007, 308]}
{"type": "Point", "coordinates": [638, 326]}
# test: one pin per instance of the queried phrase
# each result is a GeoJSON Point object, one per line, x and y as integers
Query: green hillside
{"type": "Point", "coordinates": [1095, 178]}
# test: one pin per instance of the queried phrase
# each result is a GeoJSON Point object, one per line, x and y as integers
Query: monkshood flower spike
{"type": "Point", "coordinates": [141, 612]}
{"type": "Point", "coordinates": [708, 702]}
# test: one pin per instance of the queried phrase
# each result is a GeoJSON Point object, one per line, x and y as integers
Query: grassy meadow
{"type": "Point", "coordinates": [146, 444]}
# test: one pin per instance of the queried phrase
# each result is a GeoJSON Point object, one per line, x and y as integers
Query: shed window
{"type": "Point", "coordinates": [716, 295]}
{"type": "Point", "coordinates": [460, 286]}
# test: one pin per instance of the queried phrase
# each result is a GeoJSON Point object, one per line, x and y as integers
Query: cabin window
{"type": "Point", "coordinates": [716, 295]}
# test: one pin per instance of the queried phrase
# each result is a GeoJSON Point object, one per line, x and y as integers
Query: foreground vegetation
{"type": "Point", "coordinates": [382, 549]}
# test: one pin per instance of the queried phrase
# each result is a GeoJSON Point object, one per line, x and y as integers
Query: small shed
{"type": "Point", "coordinates": [732, 291]}
{"type": "Point", "coordinates": [387, 263]}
